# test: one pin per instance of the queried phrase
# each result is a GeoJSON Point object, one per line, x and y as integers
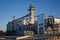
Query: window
{"type": "Point", "coordinates": [41, 24]}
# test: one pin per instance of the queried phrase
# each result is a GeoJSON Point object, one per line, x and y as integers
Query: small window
{"type": "Point", "coordinates": [41, 24]}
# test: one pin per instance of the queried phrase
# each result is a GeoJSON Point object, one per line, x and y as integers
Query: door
{"type": "Point", "coordinates": [41, 30]}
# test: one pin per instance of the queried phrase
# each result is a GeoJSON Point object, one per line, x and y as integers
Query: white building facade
{"type": "Point", "coordinates": [41, 20]}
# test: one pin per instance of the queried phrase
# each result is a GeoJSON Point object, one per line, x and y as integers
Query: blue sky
{"type": "Point", "coordinates": [19, 8]}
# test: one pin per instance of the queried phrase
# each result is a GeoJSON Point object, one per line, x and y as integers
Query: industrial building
{"type": "Point", "coordinates": [28, 25]}
{"type": "Point", "coordinates": [48, 24]}
{"type": "Point", "coordinates": [23, 24]}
